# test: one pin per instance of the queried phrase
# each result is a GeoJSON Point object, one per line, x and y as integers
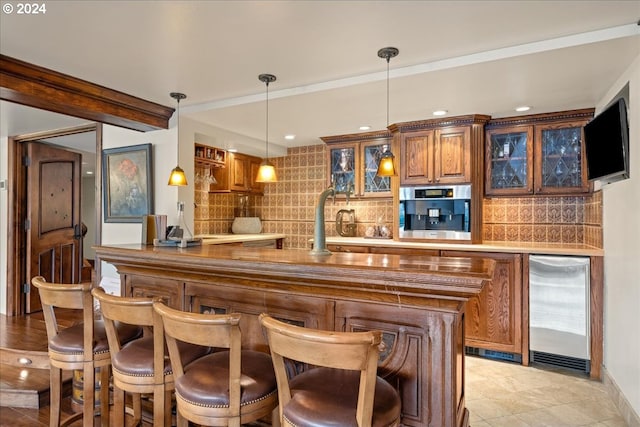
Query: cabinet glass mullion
{"type": "Point", "coordinates": [343, 169]}
{"type": "Point", "coordinates": [562, 157]}
{"type": "Point", "coordinates": [372, 182]}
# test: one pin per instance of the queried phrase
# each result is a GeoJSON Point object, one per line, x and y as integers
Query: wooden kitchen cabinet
{"type": "Point", "coordinates": [493, 319]}
{"type": "Point", "coordinates": [238, 175]}
{"type": "Point", "coordinates": [537, 154]}
{"type": "Point", "coordinates": [353, 164]}
{"type": "Point", "coordinates": [440, 156]}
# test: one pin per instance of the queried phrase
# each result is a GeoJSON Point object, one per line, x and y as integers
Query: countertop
{"type": "Point", "coordinates": [507, 247]}
{"type": "Point", "coordinates": [220, 239]}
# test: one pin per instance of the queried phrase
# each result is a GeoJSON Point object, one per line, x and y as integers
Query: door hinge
{"type": "Point", "coordinates": [26, 161]}
{"type": "Point", "coordinates": [26, 288]}
{"type": "Point", "coordinates": [27, 224]}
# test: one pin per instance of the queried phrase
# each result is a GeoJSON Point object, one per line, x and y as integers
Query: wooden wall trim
{"type": "Point", "coordinates": [356, 136]}
{"type": "Point", "coordinates": [39, 87]}
{"type": "Point", "coordinates": [585, 113]}
{"type": "Point", "coordinates": [418, 125]}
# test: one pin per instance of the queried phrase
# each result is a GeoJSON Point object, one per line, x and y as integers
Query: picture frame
{"type": "Point", "coordinates": [127, 175]}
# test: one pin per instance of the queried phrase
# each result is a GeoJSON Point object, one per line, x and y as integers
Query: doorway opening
{"type": "Point", "coordinates": [22, 252]}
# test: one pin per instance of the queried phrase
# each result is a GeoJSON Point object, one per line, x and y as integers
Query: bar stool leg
{"type": "Point", "coordinates": [88, 394]}
{"type": "Point", "coordinates": [104, 395]}
{"type": "Point", "coordinates": [55, 393]}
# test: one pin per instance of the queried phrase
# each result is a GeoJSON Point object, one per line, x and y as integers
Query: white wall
{"type": "Point", "coordinates": [165, 197]}
{"type": "Point", "coordinates": [3, 225]}
{"type": "Point", "coordinates": [88, 214]}
{"type": "Point", "coordinates": [621, 224]}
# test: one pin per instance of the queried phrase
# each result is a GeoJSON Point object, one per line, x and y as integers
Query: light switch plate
{"type": "Point", "coordinates": [3, 184]}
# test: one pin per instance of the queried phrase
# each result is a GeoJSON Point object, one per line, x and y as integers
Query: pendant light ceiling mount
{"type": "Point", "coordinates": [388, 53]}
{"type": "Point", "coordinates": [267, 172]}
{"type": "Point", "coordinates": [177, 177]}
{"type": "Point", "coordinates": [386, 166]}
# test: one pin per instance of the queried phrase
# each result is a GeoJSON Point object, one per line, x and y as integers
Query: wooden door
{"type": "Point", "coordinates": [54, 238]}
{"type": "Point", "coordinates": [452, 155]}
{"type": "Point", "coordinates": [416, 165]}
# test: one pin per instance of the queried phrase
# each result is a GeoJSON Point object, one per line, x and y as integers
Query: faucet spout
{"type": "Point", "coordinates": [319, 237]}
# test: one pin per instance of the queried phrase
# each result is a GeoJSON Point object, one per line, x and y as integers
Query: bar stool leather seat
{"type": "Point", "coordinates": [315, 396]}
{"type": "Point", "coordinates": [136, 358]}
{"type": "Point", "coordinates": [69, 341]}
{"type": "Point", "coordinates": [201, 383]}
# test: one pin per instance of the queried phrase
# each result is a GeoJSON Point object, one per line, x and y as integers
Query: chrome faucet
{"type": "Point", "coordinates": [319, 237]}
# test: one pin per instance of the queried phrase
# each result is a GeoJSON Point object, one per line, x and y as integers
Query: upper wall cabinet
{"type": "Point", "coordinates": [537, 154]}
{"type": "Point", "coordinates": [233, 172]}
{"type": "Point", "coordinates": [440, 151]}
{"type": "Point", "coordinates": [353, 163]}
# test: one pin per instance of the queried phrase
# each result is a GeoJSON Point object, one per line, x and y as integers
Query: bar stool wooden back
{"type": "Point", "coordinates": [339, 386]}
{"type": "Point", "coordinates": [80, 347]}
{"type": "Point", "coordinates": [229, 387]}
{"type": "Point", "coordinates": [140, 366]}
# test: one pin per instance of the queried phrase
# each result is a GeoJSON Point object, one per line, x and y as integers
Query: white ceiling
{"type": "Point", "coordinates": [483, 57]}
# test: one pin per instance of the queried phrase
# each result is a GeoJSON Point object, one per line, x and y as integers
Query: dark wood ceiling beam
{"type": "Point", "coordinates": [38, 87]}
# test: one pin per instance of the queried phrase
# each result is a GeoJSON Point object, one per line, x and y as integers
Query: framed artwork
{"type": "Point", "coordinates": [127, 174]}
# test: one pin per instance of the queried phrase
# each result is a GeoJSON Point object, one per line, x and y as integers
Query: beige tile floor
{"type": "Point", "coordinates": [502, 394]}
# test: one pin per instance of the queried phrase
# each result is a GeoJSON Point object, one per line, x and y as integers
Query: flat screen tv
{"type": "Point", "coordinates": [606, 143]}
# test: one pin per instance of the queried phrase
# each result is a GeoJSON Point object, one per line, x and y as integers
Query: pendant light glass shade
{"type": "Point", "coordinates": [267, 172]}
{"type": "Point", "coordinates": [387, 166]}
{"type": "Point", "coordinates": [177, 177]}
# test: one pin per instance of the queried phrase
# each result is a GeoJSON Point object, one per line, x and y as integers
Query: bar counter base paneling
{"type": "Point", "coordinates": [417, 302]}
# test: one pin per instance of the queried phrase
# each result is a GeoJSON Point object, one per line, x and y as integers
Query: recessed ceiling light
{"type": "Point", "coordinates": [523, 108]}
{"type": "Point", "coordinates": [89, 172]}
{"type": "Point", "coordinates": [290, 137]}
{"type": "Point", "coordinates": [440, 112]}
{"type": "Point", "coordinates": [365, 127]}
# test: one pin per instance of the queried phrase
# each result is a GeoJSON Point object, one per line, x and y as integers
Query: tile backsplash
{"type": "Point", "coordinates": [566, 220]}
{"type": "Point", "coordinates": [288, 207]}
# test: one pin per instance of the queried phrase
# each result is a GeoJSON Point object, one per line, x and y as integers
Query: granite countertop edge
{"type": "Point", "coordinates": [505, 247]}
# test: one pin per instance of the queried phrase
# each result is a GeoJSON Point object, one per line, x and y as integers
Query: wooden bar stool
{"type": "Point", "coordinates": [141, 366]}
{"type": "Point", "coordinates": [80, 347]}
{"type": "Point", "coordinates": [341, 388]}
{"type": "Point", "coordinates": [229, 387]}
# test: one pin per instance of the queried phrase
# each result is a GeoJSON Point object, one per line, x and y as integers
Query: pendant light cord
{"type": "Point", "coordinates": [388, 58]}
{"type": "Point", "coordinates": [267, 124]}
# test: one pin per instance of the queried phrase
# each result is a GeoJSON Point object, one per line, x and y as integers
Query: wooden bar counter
{"type": "Point", "coordinates": [417, 301]}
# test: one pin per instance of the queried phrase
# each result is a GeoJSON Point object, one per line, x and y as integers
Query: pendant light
{"type": "Point", "coordinates": [177, 176]}
{"type": "Point", "coordinates": [387, 167]}
{"type": "Point", "coordinates": [267, 172]}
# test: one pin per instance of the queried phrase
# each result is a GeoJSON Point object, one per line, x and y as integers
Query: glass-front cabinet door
{"type": "Point", "coordinates": [374, 185]}
{"type": "Point", "coordinates": [509, 160]}
{"type": "Point", "coordinates": [343, 171]}
{"type": "Point", "coordinates": [561, 167]}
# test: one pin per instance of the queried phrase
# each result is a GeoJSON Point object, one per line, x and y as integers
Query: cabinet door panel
{"type": "Point", "coordinates": [343, 170]}
{"type": "Point", "coordinates": [170, 291]}
{"type": "Point", "coordinates": [416, 154]}
{"type": "Point", "coordinates": [452, 163]}
{"type": "Point", "coordinates": [509, 161]}
{"type": "Point", "coordinates": [561, 165]}
{"type": "Point", "coordinates": [493, 319]}
{"type": "Point", "coordinates": [372, 184]}
{"type": "Point", "coordinates": [238, 173]}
